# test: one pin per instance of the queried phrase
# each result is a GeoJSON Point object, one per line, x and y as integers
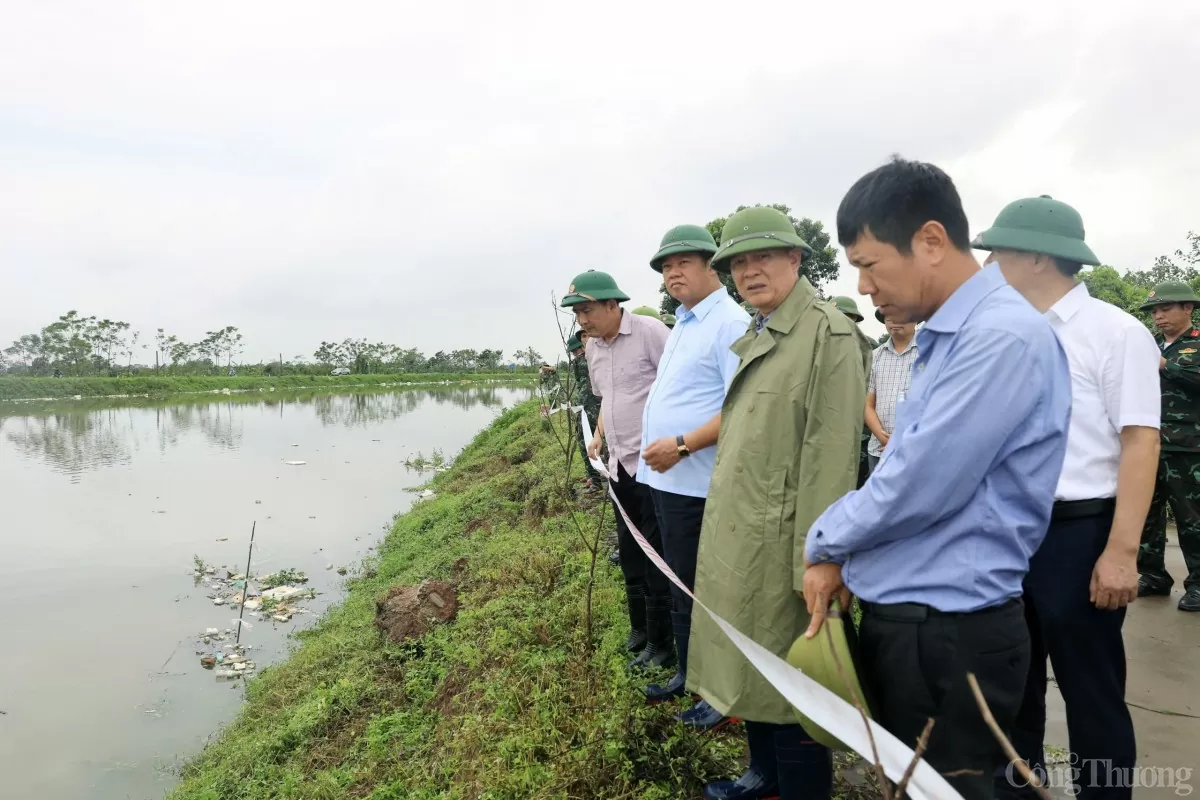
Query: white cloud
{"type": "Point", "coordinates": [428, 175]}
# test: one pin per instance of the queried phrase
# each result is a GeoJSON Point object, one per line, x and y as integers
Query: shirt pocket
{"type": "Point", "coordinates": [780, 508]}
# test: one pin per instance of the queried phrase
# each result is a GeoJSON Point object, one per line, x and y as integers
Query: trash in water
{"type": "Point", "coordinates": [295, 463]}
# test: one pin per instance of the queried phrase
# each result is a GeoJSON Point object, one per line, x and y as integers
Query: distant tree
{"type": "Point", "coordinates": [529, 357]}
{"type": "Point", "coordinates": [820, 268]}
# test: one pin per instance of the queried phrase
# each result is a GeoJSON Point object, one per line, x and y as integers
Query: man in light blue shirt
{"type": "Point", "coordinates": [680, 423]}
{"type": "Point", "coordinates": [938, 540]}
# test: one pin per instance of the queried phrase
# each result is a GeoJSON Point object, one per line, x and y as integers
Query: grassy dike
{"type": "Point", "coordinates": [19, 388]}
{"type": "Point", "coordinates": [505, 702]}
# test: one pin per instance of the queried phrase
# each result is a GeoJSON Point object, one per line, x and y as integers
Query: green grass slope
{"type": "Point", "coordinates": [508, 701]}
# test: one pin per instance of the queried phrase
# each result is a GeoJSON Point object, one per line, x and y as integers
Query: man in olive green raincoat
{"type": "Point", "coordinates": [788, 447]}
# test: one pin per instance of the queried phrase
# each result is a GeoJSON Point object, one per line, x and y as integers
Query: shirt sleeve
{"type": "Point", "coordinates": [874, 363]}
{"type": "Point", "coordinates": [727, 360]}
{"type": "Point", "coordinates": [829, 453]}
{"type": "Point", "coordinates": [938, 462]}
{"type": "Point", "coordinates": [656, 341]}
{"type": "Point", "coordinates": [1131, 387]}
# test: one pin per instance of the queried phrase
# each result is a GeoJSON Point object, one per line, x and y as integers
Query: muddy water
{"type": "Point", "coordinates": [102, 509]}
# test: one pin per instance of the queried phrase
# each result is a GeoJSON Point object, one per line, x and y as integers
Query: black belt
{"type": "Point", "coordinates": [1078, 509]}
{"type": "Point", "coordinates": [919, 612]}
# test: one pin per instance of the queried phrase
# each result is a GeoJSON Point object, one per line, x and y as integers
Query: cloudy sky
{"type": "Point", "coordinates": [427, 174]}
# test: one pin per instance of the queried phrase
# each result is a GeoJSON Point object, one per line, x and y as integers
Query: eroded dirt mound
{"type": "Point", "coordinates": [407, 612]}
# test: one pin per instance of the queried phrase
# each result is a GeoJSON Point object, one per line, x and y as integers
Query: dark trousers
{"type": "Point", "coordinates": [643, 581]}
{"type": "Point", "coordinates": [788, 757]}
{"type": "Point", "coordinates": [1088, 654]}
{"type": "Point", "coordinates": [679, 518]}
{"type": "Point", "coordinates": [916, 669]}
{"type": "Point", "coordinates": [1177, 484]}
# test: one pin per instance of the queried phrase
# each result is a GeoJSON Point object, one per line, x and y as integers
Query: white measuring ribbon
{"type": "Point", "coordinates": [822, 706]}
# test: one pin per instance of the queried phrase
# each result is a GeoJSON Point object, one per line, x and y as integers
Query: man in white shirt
{"type": "Point", "coordinates": [1085, 572]}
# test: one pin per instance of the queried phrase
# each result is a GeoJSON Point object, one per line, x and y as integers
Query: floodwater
{"type": "Point", "coordinates": [102, 508]}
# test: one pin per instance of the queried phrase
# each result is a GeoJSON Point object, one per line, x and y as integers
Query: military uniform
{"type": "Point", "coordinates": [582, 396]}
{"type": "Point", "coordinates": [1178, 483]}
{"type": "Point", "coordinates": [867, 347]}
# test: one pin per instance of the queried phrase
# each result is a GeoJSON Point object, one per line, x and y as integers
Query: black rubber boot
{"type": "Point", "coordinates": [1190, 600]}
{"type": "Point", "coordinates": [660, 648]}
{"type": "Point", "coordinates": [636, 599]}
{"type": "Point", "coordinates": [1150, 585]}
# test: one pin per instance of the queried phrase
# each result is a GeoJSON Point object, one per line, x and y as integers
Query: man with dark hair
{"type": "Point", "coordinates": [936, 543]}
{"type": "Point", "coordinates": [680, 424]}
{"type": "Point", "coordinates": [1178, 484]}
{"type": "Point", "coordinates": [623, 351]}
{"type": "Point", "coordinates": [890, 375]}
{"type": "Point", "coordinates": [1084, 573]}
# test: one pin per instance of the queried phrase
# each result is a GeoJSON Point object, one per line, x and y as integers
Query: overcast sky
{"type": "Point", "coordinates": [427, 174]}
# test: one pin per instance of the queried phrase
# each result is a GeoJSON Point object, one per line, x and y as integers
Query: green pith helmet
{"type": "Point", "coordinates": [1170, 292]}
{"type": "Point", "coordinates": [646, 311]}
{"type": "Point", "coordinates": [573, 343]}
{"type": "Point", "coordinates": [847, 306]}
{"type": "Point", "coordinates": [1038, 225]}
{"type": "Point", "coordinates": [816, 658]}
{"type": "Point", "coordinates": [592, 285]}
{"type": "Point", "coordinates": [684, 239]}
{"type": "Point", "coordinates": [759, 228]}
{"type": "Point", "coordinates": [668, 320]}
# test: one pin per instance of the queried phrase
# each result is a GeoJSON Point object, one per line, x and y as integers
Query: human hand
{"type": "Point", "coordinates": [1162, 363]}
{"type": "Point", "coordinates": [593, 448]}
{"type": "Point", "coordinates": [661, 454]}
{"type": "Point", "coordinates": [822, 584]}
{"type": "Point", "coordinates": [1114, 580]}
{"type": "Point", "coordinates": [883, 440]}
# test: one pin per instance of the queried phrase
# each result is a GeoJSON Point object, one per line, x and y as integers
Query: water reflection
{"type": "Point", "coordinates": [80, 437]}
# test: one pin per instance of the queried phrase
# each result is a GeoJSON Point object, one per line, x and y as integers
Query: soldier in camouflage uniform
{"type": "Point", "coordinates": [1178, 484]}
{"type": "Point", "coordinates": [850, 308]}
{"type": "Point", "coordinates": [582, 396]}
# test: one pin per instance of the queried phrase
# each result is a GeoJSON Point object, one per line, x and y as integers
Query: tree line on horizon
{"type": "Point", "coordinates": [79, 346]}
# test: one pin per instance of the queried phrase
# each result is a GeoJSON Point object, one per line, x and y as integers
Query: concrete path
{"type": "Point", "coordinates": [1162, 645]}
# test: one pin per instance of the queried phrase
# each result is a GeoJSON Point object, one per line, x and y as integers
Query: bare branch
{"type": "Point", "coordinates": [922, 743]}
{"type": "Point", "coordinates": [884, 785]}
{"type": "Point", "coordinates": [1009, 750]}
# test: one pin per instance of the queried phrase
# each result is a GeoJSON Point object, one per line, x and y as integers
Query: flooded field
{"type": "Point", "coordinates": [104, 509]}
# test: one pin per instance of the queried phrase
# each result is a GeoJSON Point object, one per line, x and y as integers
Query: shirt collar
{"type": "Point", "coordinates": [625, 329]}
{"type": "Point", "coordinates": [958, 307]}
{"type": "Point", "coordinates": [702, 308]}
{"type": "Point", "coordinates": [1069, 304]}
{"type": "Point", "coordinates": [891, 345]}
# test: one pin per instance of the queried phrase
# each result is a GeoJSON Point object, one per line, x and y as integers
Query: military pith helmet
{"type": "Point", "coordinates": [847, 306]}
{"type": "Point", "coordinates": [590, 286]}
{"type": "Point", "coordinates": [668, 320]}
{"type": "Point", "coordinates": [573, 343]}
{"type": "Point", "coordinates": [684, 239]}
{"type": "Point", "coordinates": [819, 657]}
{"type": "Point", "coordinates": [1170, 292]}
{"type": "Point", "coordinates": [646, 311]}
{"type": "Point", "coordinates": [759, 228]}
{"type": "Point", "coordinates": [1038, 225]}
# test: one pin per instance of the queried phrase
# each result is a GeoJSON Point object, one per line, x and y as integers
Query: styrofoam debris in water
{"type": "Point", "coordinates": [295, 463]}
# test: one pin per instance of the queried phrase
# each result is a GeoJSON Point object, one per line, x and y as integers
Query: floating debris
{"type": "Point", "coordinates": [295, 463]}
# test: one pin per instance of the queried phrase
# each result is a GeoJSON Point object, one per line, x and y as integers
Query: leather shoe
{"type": "Point", "coordinates": [703, 718]}
{"type": "Point", "coordinates": [636, 642]}
{"type": "Point", "coordinates": [751, 786]}
{"type": "Point", "coordinates": [655, 656]}
{"type": "Point", "coordinates": [1150, 585]}
{"type": "Point", "coordinates": [673, 689]}
{"type": "Point", "coordinates": [1190, 600]}
{"type": "Point", "coordinates": [614, 558]}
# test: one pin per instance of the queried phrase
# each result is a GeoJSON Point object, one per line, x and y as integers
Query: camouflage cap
{"type": "Point", "coordinates": [1170, 292]}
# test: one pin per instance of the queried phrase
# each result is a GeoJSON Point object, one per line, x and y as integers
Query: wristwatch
{"type": "Point", "coordinates": [681, 448]}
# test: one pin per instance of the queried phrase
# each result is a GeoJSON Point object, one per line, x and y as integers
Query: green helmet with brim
{"type": "Point", "coordinates": [1038, 225]}
{"type": "Point", "coordinates": [591, 286]}
{"type": "Point", "coordinates": [683, 239]}
{"type": "Point", "coordinates": [759, 228]}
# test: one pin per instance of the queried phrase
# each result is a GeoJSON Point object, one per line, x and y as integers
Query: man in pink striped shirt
{"type": "Point", "coordinates": [622, 353]}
